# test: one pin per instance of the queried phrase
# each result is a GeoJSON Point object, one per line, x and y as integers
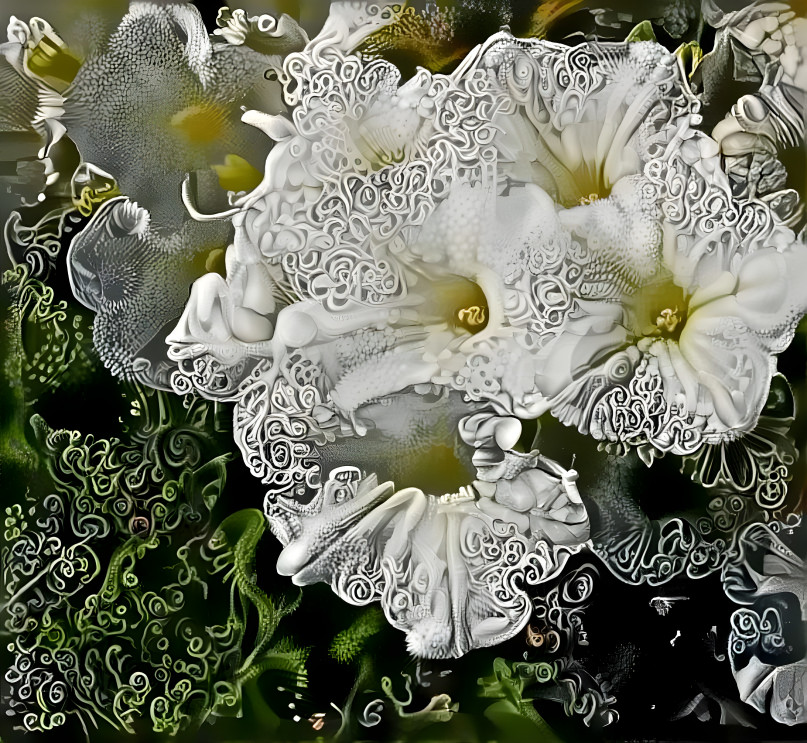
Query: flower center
{"type": "Point", "coordinates": [473, 318]}
{"type": "Point", "coordinates": [659, 309]}
{"type": "Point", "coordinates": [201, 123]}
{"type": "Point", "coordinates": [455, 300]}
{"type": "Point", "coordinates": [668, 320]}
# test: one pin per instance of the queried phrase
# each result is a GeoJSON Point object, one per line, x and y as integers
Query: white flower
{"type": "Point", "coordinates": [342, 370]}
{"type": "Point", "coordinates": [157, 101]}
{"type": "Point", "coordinates": [426, 265]}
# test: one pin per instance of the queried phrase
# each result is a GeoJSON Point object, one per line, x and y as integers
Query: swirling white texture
{"type": "Point", "coordinates": [758, 636]}
{"type": "Point", "coordinates": [426, 265]}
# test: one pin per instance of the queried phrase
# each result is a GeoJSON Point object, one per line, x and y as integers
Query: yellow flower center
{"type": "Point", "coordinates": [668, 320]}
{"type": "Point", "coordinates": [473, 318]}
{"type": "Point", "coordinates": [201, 123]}
{"type": "Point", "coordinates": [659, 309]}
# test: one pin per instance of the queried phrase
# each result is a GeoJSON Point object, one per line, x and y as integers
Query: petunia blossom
{"type": "Point", "coordinates": [427, 265]}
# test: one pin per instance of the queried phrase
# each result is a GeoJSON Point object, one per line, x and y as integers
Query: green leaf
{"type": "Point", "coordinates": [642, 32]}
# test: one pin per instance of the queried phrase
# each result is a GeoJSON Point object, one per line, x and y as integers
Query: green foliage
{"type": "Point", "coordinates": [515, 714]}
{"type": "Point", "coordinates": [642, 32]}
{"type": "Point", "coordinates": [117, 604]}
{"type": "Point", "coordinates": [350, 643]}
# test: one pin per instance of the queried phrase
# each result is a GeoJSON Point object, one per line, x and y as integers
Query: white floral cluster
{"type": "Point", "coordinates": [423, 267]}
{"type": "Point", "coordinates": [546, 229]}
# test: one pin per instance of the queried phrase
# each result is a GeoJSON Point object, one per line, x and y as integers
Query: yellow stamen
{"type": "Point", "coordinates": [668, 320]}
{"type": "Point", "coordinates": [473, 318]}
